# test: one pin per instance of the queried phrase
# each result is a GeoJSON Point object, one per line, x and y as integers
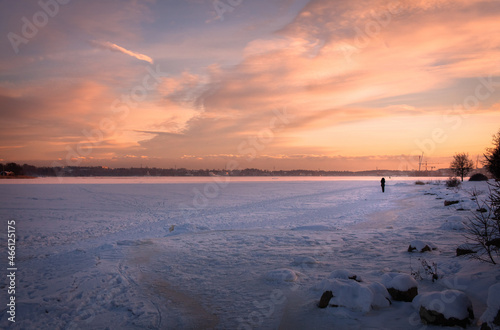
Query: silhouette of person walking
{"type": "Point", "coordinates": [382, 183]}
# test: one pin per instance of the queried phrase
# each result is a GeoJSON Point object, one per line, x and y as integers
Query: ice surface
{"type": "Point", "coordinates": [279, 275]}
{"type": "Point", "coordinates": [197, 253]}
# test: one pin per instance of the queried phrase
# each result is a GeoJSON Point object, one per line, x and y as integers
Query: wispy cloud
{"type": "Point", "coordinates": [115, 48]}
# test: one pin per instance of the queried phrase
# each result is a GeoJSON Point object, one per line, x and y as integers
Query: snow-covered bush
{"type": "Point", "coordinates": [453, 183]}
{"type": "Point", "coordinates": [478, 177]}
{"type": "Point", "coordinates": [425, 270]}
{"type": "Point", "coordinates": [282, 275]}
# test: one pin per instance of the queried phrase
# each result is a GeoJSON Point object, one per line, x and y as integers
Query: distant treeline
{"type": "Point", "coordinates": [88, 171]}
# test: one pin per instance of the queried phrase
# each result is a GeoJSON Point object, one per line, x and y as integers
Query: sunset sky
{"type": "Point", "coordinates": [285, 84]}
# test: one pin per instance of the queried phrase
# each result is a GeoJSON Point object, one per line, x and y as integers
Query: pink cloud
{"type": "Point", "coordinates": [115, 48]}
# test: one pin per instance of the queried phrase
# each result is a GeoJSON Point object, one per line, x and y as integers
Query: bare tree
{"type": "Point", "coordinates": [461, 165]}
{"type": "Point", "coordinates": [492, 156]}
{"type": "Point", "coordinates": [483, 228]}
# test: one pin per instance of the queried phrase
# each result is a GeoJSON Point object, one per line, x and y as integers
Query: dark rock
{"type": "Point", "coordinates": [403, 295]}
{"type": "Point", "coordinates": [482, 210]}
{"type": "Point", "coordinates": [485, 326]}
{"type": "Point", "coordinates": [436, 318]}
{"type": "Point", "coordinates": [424, 249]}
{"type": "Point", "coordinates": [325, 299]}
{"type": "Point", "coordinates": [496, 320]}
{"type": "Point", "coordinates": [420, 246]}
{"type": "Point", "coordinates": [355, 278]}
{"type": "Point", "coordinates": [496, 323]}
{"type": "Point", "coordinates": [448, 203]}
{"type": "Point", "coordinates": [463, 251]}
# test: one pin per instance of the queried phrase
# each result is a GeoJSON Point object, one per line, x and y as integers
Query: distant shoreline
{"type": "Point", "coordinates": [220, 176]}
{"type": "Point", "coordinates": [18, 177]}
{"type": "Point", "coordinates": [13, 170]}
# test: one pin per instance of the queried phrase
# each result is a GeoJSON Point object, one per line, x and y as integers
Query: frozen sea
{"type": "Point", "coordinates": [228, 253]}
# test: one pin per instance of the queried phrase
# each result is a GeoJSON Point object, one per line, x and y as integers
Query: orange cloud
{"type": "Point", "coordinates": [392, 68]}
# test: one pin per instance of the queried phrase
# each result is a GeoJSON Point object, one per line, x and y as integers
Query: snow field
{"type": "Point", "coordinates": [254, 255]}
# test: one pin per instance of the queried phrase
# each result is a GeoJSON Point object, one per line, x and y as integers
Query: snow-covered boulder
{"type": "Point", "coordinates": [421, 246]}
{"type": "Point", "coordinates": [344, 274]}
{"type": "Point", "coordinates": [354, 295]}
{"type": "Point", "coordinates": [282, 275]}
{"type": "Point", "coordinates": [445, 308]}
{"type": "Point", "coordinates": [350, 294]}
{"type": "Point", "coordinates": [466, 248]}
{"type": "Point", "coordinates": [455, 222]}
{"type": "Point", "coordinates": [458, 226]}
{"type": "Point", "coordinates": [381, 297]}
{"type": "Point", "coordinates": [304, 261]}
{"type": "Point", "coordinates": [455, 218]}
{"type": "Point", "coordinates": [491, 317]}
{"type": "Point", "coordinates": [401, 287]}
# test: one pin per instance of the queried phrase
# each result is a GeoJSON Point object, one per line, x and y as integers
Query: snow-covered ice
{"type": "Point", "coordinates": [229, 253]}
